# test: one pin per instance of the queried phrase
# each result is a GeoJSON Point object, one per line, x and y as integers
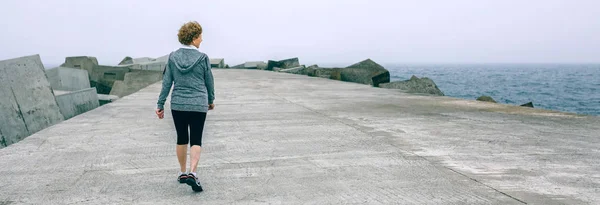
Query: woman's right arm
{"type": "Point", "coordinates": [166, 87]}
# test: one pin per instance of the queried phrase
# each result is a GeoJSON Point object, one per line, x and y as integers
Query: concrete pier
{"type": "Point", "coordinates": [292, 139]}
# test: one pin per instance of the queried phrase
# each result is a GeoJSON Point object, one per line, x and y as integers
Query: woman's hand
{"type": "Point", "coordinates": [160, 113]}
{"type": "Point", "coordinates": [211, 106]}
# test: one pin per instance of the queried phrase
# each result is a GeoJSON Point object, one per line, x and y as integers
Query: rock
{"type": "Point", "coordinates": [217, 63]}
{"type": "Point", "coordinates": [297, 70]}
{"type": "Point", "coordinates": [415, 85]}
{"type": "Point", "coordinates": [365, 72]}
{"type": "Point", "coordinates": [283, 64]}
{"type": "Point", "coordinates": [529, 104]}
{"type": "Point", "coordinates": [486, 98]}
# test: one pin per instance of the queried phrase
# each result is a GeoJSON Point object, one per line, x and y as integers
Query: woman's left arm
{"type": "Point", "coordinates": [209, 82]}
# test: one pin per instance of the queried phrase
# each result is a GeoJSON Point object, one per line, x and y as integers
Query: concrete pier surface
{"type": "Point", "coordinates": [290, 139]}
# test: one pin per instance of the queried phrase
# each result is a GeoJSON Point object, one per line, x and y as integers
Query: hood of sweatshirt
{"type": "Point", "coordinates": [185, 59]}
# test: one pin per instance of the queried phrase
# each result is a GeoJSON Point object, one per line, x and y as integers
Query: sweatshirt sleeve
{"type": "Point", "coordinates": [209, 82]}
{"type": "Point", "coordinates": [166, 87]}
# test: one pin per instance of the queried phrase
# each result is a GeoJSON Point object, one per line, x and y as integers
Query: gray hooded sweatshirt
{"type": "Point", "coordinates": [189, 72]}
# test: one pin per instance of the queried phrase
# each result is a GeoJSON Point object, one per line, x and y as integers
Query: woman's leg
{"type": "Point", "coordinates": [196, 131]}
{"type": "Point", "coordinates": [181, 125]}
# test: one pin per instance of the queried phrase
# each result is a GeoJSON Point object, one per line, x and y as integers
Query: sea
{"type": "Point", "coordinates": [571, 88]}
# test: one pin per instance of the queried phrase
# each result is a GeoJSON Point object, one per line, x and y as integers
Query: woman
{"type": "Point", "coordinates": [188, 71]}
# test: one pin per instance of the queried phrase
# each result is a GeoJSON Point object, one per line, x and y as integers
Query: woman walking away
{"type": "Point", "coordinates": [188, 71]}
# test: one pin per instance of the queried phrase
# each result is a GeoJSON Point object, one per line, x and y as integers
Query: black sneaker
{"type": "Point", "coordinates": [182, 178]}
{"type": "Point", "coordinates": [194, 183]}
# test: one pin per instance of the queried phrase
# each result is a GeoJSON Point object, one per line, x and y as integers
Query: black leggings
{"type": "Point", "coordinates": [195, 121]}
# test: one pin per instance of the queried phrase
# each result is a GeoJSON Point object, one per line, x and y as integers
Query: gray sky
{"type": "Point", "coordinates": [316, 31]}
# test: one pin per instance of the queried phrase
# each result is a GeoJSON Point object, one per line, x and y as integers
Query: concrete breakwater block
{"type": "Point", "coordinates": [365, 72]}
{"type": "Point", "coordinates": [145, 63]}
{"type": "Point", "coordinates": [217, 63]}
{"type": "Point", "coordinates": [73, 103]}
{"type": "Point", "coordinates": [296, 70]}
{"type": "Point", "coordinates": [134, 81]}
{"type": "Point", "coordinates": [129, 60]}
{"type": "Point", "coordinates": [103, 77]}
{"type": "Point", "coordinates": [27, 104]}
{"type": "Point", "coordinates": [260, 65]}
{"type": "Point", "coordinates": [151, 66]}
{"type": "Point", "coordinates": [283, 64]}
{"type": "Point", "coordinates": [81, 62]}
{"type": "Point", "coordinates": [415, 85]}
{"type": "Point", "coordinates": [69, 79]}
{"type": "Point", "coordinates": [141, 71]}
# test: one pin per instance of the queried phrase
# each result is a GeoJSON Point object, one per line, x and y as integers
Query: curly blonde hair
{"type": "Point", "coordinates": [188, 32]}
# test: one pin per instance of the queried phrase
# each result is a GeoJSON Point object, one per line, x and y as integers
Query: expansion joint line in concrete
{"type": "Point", "coordinates": [477, 181]}
{"type": "Point", "coordinates": [349, 125]}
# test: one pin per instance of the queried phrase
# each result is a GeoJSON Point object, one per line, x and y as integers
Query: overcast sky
{"type": "Point", "coordinates": [316, 31]}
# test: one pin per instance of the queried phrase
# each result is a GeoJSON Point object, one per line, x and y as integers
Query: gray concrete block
{"type": "Point", "coordinates": [12, 125]}
{"type": "Point", "coordinates": [145, 63]}
{"type": "Point", "coordinates": [365, 72]}
{"type": "Point", "coordinates": [415, 85]}
{"type": "Point", "coordinates": [152, 66]}
{"type": "Point", "coordinates": [217, 62]}
{"type": "Point", "coordinates": [75, 103]}
{"type": "Point", "coordinates": [70, 79]}
{"type": "Point", "coordinates": [126, 61]}
{"type": "Point", "coordinates": [283, 64]}
{"type": "Point", "coordinates": [255, 65]}
{"type": "Point", "coordinates": [81, 62]}
{"type": "Point", "coordinates": [134, 81]}
{"type": "Point", "coordinates": [129, 60]}
{"type": "Point", "coordinates": [164, 58]}
{"type": "Point", "coordinates": [297, 70]}
{"type": "Point", "coordinates": [27, 103]}
{"type": "Point", "coordinates": [103, 77]}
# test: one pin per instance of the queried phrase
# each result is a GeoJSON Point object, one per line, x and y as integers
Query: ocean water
{"type": "Point", "coordinates": [563, 87]}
